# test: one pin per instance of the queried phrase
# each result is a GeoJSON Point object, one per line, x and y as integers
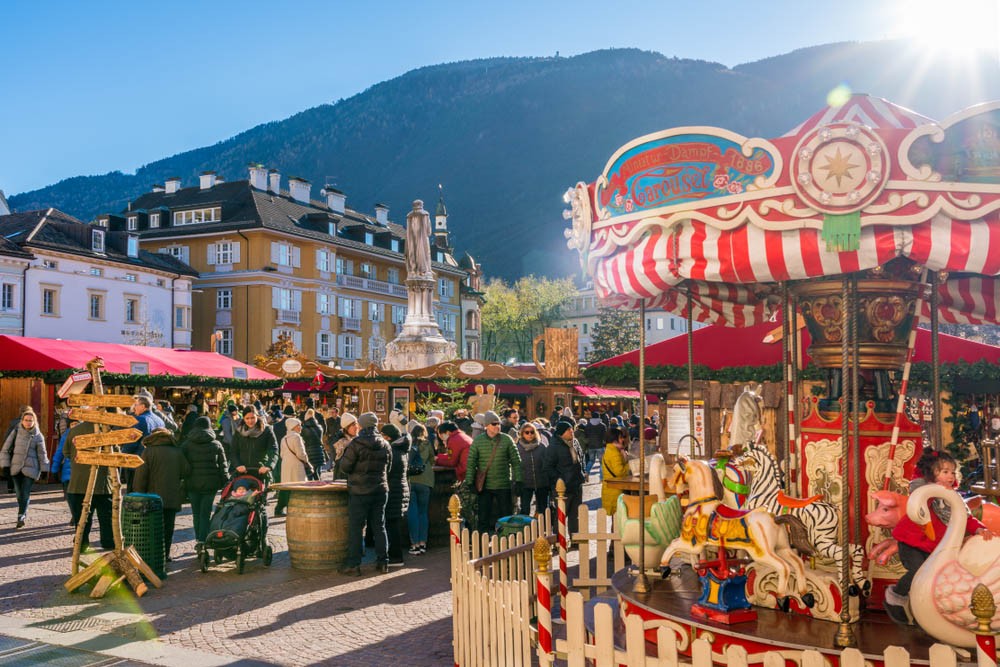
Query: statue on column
{"type": "Point", "coordinates": [418, 248]}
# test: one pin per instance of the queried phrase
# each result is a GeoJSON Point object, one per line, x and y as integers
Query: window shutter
{"type": "Point", "coordinates": [236, 252]}
{"type": "Point", "coordinates": [275, 252]}
{"type": "Point", "coordinates": [212, 254]}
{"type": "Point", "coordinates": [275, 297]}
{"type": "Point", "coordinates": [340, 346]}
{"type": "Point", "coordinates": [297, 302]}
{"type": "Point", "coordinates": [297, 339]}
{"type": "Point", "coordinates": [296, 256]}
{"type": "Point", "coordinates": [356, 309]}
{"type": "Point", "coordinates": [185, 254]}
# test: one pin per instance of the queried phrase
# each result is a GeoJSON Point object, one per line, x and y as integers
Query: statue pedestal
{"type": "Point", "coordinates": [420, 343]}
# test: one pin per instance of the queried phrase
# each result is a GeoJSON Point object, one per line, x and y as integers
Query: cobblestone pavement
{"type": "Point", "coordinates": [267, 616]}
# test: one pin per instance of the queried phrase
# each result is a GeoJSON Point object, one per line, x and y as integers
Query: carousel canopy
{"type": "Point", "coordinates": [20, 353]}
{"type": "Point", "coordinates": [720, 347]}
{"type": "Point", "coordinates": [704, 218]}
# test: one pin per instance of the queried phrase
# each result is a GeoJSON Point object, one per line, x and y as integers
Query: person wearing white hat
{"type": "Point", "coordinates": [295, 465]}
{"type": "Point", "coordinates": [349, 428]}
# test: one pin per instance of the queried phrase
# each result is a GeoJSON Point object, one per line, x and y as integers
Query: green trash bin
{"type": "Point", "coordinates": [142, 527]}
{"type": "Point", "coordinates": [513, 524]}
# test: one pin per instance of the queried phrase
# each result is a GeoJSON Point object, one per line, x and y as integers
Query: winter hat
{"type": "Point", "coordinates": [346, 420]}
{"type": "Point", "coordinates": [562, 427]}
{"type": "Point", "coordinates": [433, 423]}
{"type": "Point", "coordinates": [490, 417]}
{"type": "Point", "coordinates": [567, 411]}
{"type": "Point", "coordinates": [203, 423]}
{"type": "Point", "coordinates": [192, 407]}
{"type": "Point", "coordinates": [289, 410]}
{"type": "Point", "coordinates": [594, 414]}
{"type": "Point", "coordinates": [232, 407]}
{"type": "Point", "coordinates": [390, 431]}
{"type": "Point", "coordinates": [310, 403]}
{"type": "Point", "coordinates": [649, 433]}
{"type": "Point", "coordinates": [291, 423]}
{"type": "Point", "coordinates": [368, 420]}
{"type": "Point", "coordinates": [437, 414]}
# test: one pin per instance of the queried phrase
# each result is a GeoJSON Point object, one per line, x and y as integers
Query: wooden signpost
{"type": "Point", "coordinates": [94, 440]}
{"type": "Point", "coordinates": [100, 400]}
{"type": "Point", "coordinates": [96, 450]}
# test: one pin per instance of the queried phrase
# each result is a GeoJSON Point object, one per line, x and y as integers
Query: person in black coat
{"type": "Point", "coordinates": [312, 435]}
{"type": "Point", "coordinates": [565, 460]}
{"type": "Point", "coordinates": [398, 502]}
{"type": "Point", "coordinates": [164, 468]}
{"type": "Point", "coordinates": [255, 451]}
{"type": "Point", "coordinates": [209, 473]}
{"type": "Point", "coordinates": [366, 463]}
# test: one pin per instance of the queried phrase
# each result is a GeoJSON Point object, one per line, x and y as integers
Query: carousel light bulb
{"type": "Point", "coordinates": [568, 196]}
{"type": "Point", "coordinates": [874, 149]}
{"type": "Point", "coordinates": [851, 131]}
{"type": "Point", "coordinates": [568, 233]}
{"type": "Point", "coordinates": [825, 197]}
{"type": "Point", "coordinates": [805, 153]}
{"type": "Point", "coordinates": [874, 176]}
{"type": "Point", "coordinates": [805, 178]}
{"type": "Point", "coordinates": [825, 134]}
{"type": "Point", "coordinates": [567, 214]}
{"type": "Point", "coordinates": [854, 195]}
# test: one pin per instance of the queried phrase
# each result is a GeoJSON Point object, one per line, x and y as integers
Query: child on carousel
{"type": "Point", "coordinates": [916, 543]}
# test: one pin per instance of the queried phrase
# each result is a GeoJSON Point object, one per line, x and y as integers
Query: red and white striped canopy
{"type": "Point", "coordinates": [723, 257]}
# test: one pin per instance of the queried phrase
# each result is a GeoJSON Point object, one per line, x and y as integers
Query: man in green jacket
{"type": "Point", "coordinates": [496, 454]}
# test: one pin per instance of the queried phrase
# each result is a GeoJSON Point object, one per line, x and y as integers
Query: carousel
{"type": "Point", "coordinates": [859, 225]}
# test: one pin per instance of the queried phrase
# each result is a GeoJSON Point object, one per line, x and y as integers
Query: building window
{"type": "Point", "coordinates": [225, 344]}
{"type": "Point", "coordinates": [50, 264]}
{"type": "Point", "coordinates": [324, 303]}
{"type": "Point", "coordinates": [97, 240]}
{"type": "Point", "coordinates": [369, 238]}
{"type": "Point", "coordinates": [224, 253]}
{"type": "Point", "coordinates": [7, 296]}
{"type": "Point", "coordinates": [374, 311]}
{"type": "Point", "coordinates": [132, 246]}
{"type": "Point", "coordinates": [133, 223]}
{"type": "Point", "coordinates": [224, 299]}
{"type": "Point", "coordinates": [584, 327]}
{"type": "Point", "coordinates": [284, 254]}
{"type": "Point", "coordinates": [345, 267]}
{"type": "Point", "coordinates": [350, 348]}
{"type": "Point", "coordinates": [181, 252]}
{"type": "Point", "coordinates": [367, 270]}
{"type": "Point", "coordinates": [445, 288]}
{"type": "Point", "coordinates": [94, 271]}
{"type": "Point", "coordinates": [349, 307]}
{"type": "Point", "coordinates": [324, 347]}
{"type": "Point", "coordinates": [131, 310]}
{"type": "Point", "coordinates": [394, 245]}
{"type": "Point", "coordinates": [182, 317]}
{"type": "Point", "coordinates": [659, 324]}
{"type": "Point", "coordinates": [96, 306]}
{"type": "Point", "coordinates": [160, 282]}
{"type": "Point", "coordinates": [154, 220]}
{"type": "Point", "coordinates": [130, 277]}
{"type": "Point", "coordinates": [392, 276]}
{"type": "Point", "coordinates": [50, 301]}
{"type": "Point", "coordinates": [198, 215]}
{"type": "Point", "coordinates": [398, 314]}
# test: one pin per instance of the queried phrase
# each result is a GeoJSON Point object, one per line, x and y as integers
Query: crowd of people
{"type": "Point", "coordinates": [502, 462]}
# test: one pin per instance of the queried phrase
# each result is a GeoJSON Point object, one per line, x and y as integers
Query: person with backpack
{"type": "Point", "coordinates": [420, 471]}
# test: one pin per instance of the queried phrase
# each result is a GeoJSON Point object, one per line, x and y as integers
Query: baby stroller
{"type": "Point", "coordinates": [238, 529]}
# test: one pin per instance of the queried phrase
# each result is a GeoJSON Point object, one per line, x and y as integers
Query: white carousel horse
{"type": "Point", "coordinates": [942, 588]}
{"type": "Point", "coordinates": [821, 519]}
{"type": "Point", "coordinates": [663, 521]}
{"type": "Point", "coordinates": [709, 523]}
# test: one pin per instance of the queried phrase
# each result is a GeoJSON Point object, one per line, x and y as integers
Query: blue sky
{"type": "Point", "coordinates": [90, 87]}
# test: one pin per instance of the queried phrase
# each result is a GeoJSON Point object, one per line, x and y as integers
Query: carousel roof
{"type": "Point", "coordinates": [706, 218]}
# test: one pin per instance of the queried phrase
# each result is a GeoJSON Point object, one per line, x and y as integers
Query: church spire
{"type": "Point", "coordinates": [441, 221]}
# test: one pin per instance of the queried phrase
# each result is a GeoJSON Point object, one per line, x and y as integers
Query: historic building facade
{"type": "Point", "coordinates": [273, 260]}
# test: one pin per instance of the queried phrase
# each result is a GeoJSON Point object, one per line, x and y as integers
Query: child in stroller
{"type": "Point", "coordinates": [238, 528]}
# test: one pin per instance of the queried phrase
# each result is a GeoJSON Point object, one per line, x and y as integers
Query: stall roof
{"type": "Point", "coordinates": [727, 347]}
{"type": "Point", "coordinates": [19, 353]}
{"type": "Point", "coordinates": [604, 392]}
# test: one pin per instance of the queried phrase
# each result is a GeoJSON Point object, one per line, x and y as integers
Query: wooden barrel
{"type": "Point", "coordinates": [316, 527]}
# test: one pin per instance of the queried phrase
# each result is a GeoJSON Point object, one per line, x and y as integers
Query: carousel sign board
{"type": "Point", "coordinates": [681, 167]}
{"type": "Point", "coordinates": [679, 423]}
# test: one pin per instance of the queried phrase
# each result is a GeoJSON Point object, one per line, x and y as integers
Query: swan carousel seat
{"type": "Point", "coordinates": [662, 522]}
{"type": "Point", "coordinates": [942, 588]}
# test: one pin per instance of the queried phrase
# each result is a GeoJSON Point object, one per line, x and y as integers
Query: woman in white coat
{"type": "Point", "coordinates": [294, 461]}
{"type": "Point", "coordinates": [23, 458]}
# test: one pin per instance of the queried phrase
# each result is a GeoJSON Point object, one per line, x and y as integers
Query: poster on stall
{"type": "Point", "coordinates": [679, 425]}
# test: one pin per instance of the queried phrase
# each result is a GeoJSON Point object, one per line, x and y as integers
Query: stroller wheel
{"type": "Point", "coordinates": [268, 555]}
{"type": "Point", "coordinates": [203, 560]}
{"type": "Point", "coordinates": [240, 561]}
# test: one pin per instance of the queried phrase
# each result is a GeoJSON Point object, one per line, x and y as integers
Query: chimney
{"type": "Point", "coordinates": [258, 176]}
{"type": "Point", "coordinates": [206, 180]}
{"type": "Point", "coordinates": [335, 199]}
{"type": "Point", "coordinates": [275, 181]}
{"type": "Point", "coordinates": [382, 214]}
{"type": "Point", "coordinates": [299, 189]}
{"type": "Point", "coordinates": [157, 187]}
{"type": "Point", "coordinates": [173, 184]}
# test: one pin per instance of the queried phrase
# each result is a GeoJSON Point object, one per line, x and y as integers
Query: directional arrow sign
{"type": "Point", "coordinates": [102, 417]}
{"type": "Point", "coordinates": [102, 401]}
{"type": "Point", "coordinates": [111, 460]}
{"type": "Point", "coordinates": [95, 440]}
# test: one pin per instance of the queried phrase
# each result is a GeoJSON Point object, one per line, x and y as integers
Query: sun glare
{"type": "Point", "coordinates": [957, 27]}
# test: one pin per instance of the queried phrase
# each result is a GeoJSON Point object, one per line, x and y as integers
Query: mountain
{"type": "Point", "coordinates": [506, 136]}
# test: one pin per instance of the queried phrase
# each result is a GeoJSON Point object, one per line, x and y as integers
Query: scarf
{"type": "Point", "coordinates": [248, 432]}
{"type": "Point", "coordinates": [529, 445]}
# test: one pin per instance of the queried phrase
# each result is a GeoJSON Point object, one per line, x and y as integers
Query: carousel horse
{"type": "Point", "coordinates": [709, 523]}
{"type": "Point", "coordinates": [942, 588]}
{"type": "Point", "coordinates": [663, 518]}
{"type": "Point", "coordinates": [820, 519]}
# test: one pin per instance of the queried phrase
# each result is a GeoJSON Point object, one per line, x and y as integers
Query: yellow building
{"type": "Point", "coordinates": [273, 261]}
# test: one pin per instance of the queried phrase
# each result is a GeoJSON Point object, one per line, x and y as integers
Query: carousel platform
{"type": "Point", "coordinates": [670, 602]}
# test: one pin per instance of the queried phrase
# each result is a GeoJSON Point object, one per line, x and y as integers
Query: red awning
{"type": "Point", "coordinates": [602, 392]}
{"type": "Point", "coordinates": [18, 353]}
{"type": "Point", "coordinates": [727, 347]}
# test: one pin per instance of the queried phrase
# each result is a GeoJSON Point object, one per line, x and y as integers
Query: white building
{"type": "Point", "coordinates": [85, 282]}
{"type": "Point", "coordinates": [582, 312]}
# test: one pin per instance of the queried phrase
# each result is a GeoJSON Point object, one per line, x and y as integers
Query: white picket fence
{"type": "Point", "coordinates": [494, 601]}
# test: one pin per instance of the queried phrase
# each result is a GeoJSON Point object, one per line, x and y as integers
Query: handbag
{"type": "Point", "coordinates": [480, 481]}
{"type": "Point", "coordinates": [415, 464]}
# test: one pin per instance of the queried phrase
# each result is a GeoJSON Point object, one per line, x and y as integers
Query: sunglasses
{"type": "Point", "coordinates": [528, 432]}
